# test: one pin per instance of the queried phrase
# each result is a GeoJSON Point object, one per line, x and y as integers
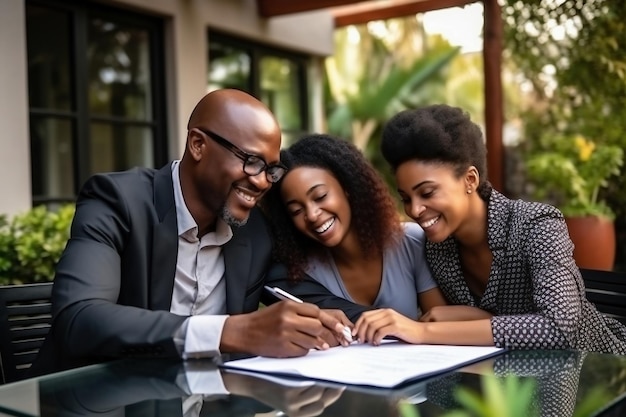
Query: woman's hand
{"type": "Point", "coordinates": [338, 337]}
{"type": "Point", "coordinates": [374, 325]}
{"type": "Point", "coordinates": [455, 313]}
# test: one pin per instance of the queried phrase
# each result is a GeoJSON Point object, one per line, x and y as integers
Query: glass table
{"type": "Point", "coordinates": [539, 383]}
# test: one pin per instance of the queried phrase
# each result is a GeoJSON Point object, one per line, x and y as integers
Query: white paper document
{"type": "Point", "coordinates": [387, 365]}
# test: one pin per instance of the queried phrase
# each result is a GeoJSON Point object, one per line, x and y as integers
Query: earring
{"type": "Point", "coordinates": [469, 190]}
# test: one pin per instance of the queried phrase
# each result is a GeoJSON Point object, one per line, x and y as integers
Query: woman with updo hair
{"type": "Point", "coordinates": [505, 266]}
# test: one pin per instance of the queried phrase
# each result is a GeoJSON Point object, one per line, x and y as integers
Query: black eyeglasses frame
{"type": "Point", "coordinates": [273, 172]}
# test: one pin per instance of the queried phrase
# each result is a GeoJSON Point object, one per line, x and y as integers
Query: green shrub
{"type": "Point", "coordinates": [31, 244]}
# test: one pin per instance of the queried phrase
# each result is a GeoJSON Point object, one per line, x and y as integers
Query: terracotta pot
{"type": "Point", "coordinates": [594, 241]}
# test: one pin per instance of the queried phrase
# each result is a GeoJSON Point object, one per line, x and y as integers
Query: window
{"type": "Point", "coordinates": [276, 77]}
{"type": "Point", "coordinates": [95, 94]}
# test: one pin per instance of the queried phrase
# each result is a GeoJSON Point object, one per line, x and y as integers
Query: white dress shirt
{"type": "Point", "coordinates": [199, 286]}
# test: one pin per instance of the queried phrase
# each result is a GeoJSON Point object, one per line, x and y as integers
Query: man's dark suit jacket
{"type": "Point", "coordinates": [114, 282]}
{"type": "Point", "coordinates": [136, 388]}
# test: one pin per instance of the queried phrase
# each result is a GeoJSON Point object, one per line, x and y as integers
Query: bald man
{"type": "Point", "coordinates": [172, 262]}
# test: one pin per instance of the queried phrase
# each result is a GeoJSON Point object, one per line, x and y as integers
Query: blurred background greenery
{"type": "Point", "coordinates": [563, 76]}
{"type": "Point", "coordinates": [31, 244]}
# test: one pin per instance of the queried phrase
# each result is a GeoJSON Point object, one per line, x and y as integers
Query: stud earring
{"type": "Point", "coordinates": [469, 190]}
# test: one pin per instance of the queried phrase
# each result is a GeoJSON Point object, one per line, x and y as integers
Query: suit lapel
{"type": "Point", "coordinates": [164, 241]}
{"type": "Point", "coordinates": [237, 258]}
{"type": "Point", "coordinates": [499, 217]}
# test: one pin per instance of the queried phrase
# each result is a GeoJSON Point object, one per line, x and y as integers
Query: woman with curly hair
{"type": "Point", "coordinates": [512, 260]}
{"type": "Point", "coordinates": [335, 223]}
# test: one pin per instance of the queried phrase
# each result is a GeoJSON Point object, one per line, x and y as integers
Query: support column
{"type": "Point", "coordinates": [494, 115]}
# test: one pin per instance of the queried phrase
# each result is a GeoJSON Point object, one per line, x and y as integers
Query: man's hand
{"type": "Point", "coordinates": [455, 313]}
{"type": "Point", "coordinates": [295, 401]}
{"type": "Point", "coordinates": [284, 329]}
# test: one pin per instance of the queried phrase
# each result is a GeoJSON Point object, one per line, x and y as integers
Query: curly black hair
{"type": "Point", "coordinates": [374, 215]}
{"type": "Point", "coordinates": [437, 133]}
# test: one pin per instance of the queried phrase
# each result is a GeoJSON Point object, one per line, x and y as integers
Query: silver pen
{"type": "Point", "coordinates": [284, 295]}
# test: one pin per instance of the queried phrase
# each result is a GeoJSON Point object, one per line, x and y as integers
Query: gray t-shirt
{"type": "Point", "coordinates": [405, 274]}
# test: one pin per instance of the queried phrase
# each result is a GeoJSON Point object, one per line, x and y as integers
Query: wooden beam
{"type": "Point", "coordinates": [494, 114]}
{"type": "Point", "coordinates": [369, 11]}
{"type": "Point", "coordinates": [271, 8]}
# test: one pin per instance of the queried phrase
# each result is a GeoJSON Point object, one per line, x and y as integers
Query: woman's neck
{"type": "Point", "coordinates": [349, 251]}
{"type": "Point", "coordinates": [472, 234]}
{"type": "Point", "coordinates": [360, 272]}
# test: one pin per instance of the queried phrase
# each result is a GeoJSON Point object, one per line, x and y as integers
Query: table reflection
{"type": "Point", "coordinates": [157, 388]}
{"type": "Point", "coordinates": [554, 375]}
{"type": "Point", "coordinates": [563, 384]}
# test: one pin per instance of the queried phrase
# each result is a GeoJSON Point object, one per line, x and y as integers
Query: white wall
{"type": "Point", "coordinates": [15, 194]}
{"type": "Point", "coordinates": [187, 22]}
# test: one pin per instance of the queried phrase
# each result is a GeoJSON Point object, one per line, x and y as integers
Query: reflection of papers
{"type": "Point", "coordinates": [388, 365]}
{"type": "Point", "coordinates": [413, 393]}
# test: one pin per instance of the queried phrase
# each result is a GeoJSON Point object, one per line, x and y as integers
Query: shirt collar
{"type": "Point", "coordinates": [187, 226]}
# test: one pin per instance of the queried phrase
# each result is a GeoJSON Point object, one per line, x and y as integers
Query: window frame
{"type": "Point", "coordinates": [256, 52]}
{"type": "Point", "coordinates": [79, 115]}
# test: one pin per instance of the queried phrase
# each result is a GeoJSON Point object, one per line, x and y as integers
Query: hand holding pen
{"type": "Point", "coordinates": [283, 330]}
{"type": "Point", "coordinates": [284, 295]}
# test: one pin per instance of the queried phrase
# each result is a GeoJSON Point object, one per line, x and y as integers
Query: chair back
{"type": "Point", "coordinates": [25, 319]}
{"type": "Point", "coordinates": [607, 290]}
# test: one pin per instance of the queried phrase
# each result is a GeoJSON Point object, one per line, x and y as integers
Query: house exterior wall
{"type": "Point", "coordinates": [186, 24]}
{"type": "Point", "coordinates": [15, 191]}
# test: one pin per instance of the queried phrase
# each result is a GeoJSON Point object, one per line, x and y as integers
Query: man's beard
{"type": "Point", "coordinates": [231, 220]}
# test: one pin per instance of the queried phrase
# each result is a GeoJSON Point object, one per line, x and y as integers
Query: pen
{"type": "Point", "coordinates": [284, 295]}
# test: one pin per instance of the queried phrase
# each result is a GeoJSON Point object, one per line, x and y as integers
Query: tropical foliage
{"type": "Point", "coordinates": [573, 57]}
{"type": "Point", "coordinates": [373, 75]}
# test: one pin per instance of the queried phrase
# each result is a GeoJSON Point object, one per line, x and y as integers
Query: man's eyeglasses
{"type": "Point", "coordinates": [252, 164]}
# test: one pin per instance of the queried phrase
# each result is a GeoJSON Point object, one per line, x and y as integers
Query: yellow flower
{"type": "Point", "coordinates": [585, 147]}
{"type": "Point", "coordinates": [573, 172]}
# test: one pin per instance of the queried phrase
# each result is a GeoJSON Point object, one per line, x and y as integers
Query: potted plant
{"type": "Point", "coordinates": [570, 177]}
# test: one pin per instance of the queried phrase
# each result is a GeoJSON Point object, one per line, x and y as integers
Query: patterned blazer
{"type": "Point", "coordinates": [535, 290]}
